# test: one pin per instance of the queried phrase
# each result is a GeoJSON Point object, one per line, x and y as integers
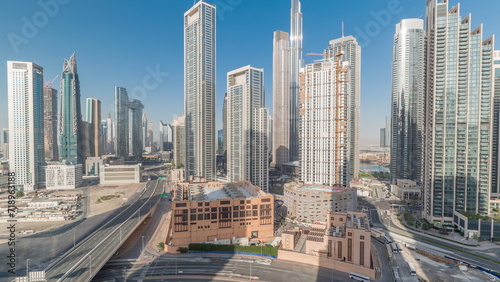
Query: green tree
{"type": "Point", "coordinates": [19, 194]}
{"type": "Point", "coordinates": [161, 246]}
{"type": "Point", "coordinates": [182, 250]}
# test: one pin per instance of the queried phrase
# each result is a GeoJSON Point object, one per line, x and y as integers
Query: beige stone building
{"type": "Point", "coordinates": [309, 201]}
{"type": "Point", "coordinates": [208, 211]}
{"type": "Point", "coordinates": [344, 237]}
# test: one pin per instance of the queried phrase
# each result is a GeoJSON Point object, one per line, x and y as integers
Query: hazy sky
{"type": "Point", "coordinates": [139, 45]}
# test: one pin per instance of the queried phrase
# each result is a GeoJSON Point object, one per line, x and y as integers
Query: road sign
{"type": "Point", "coordinates": [164, 194]}
{"type": "Point", "coordinates": [161, 178]}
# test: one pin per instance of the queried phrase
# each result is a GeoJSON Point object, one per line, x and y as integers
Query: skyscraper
{"type": "Point", "coordinates": [458, 115]}
{"type": "Point", "coordinates": [495, 158]}
{"type": "Point", "coordinates": [199, 89]}
{"type": "Point", "coordinates": [165, 136]}
{"type": "Point", "coordinates": [50, 123]}
{"type": "Point", "coordinates": [408, 86]}
{"type": "Point", "coordinates": [110, 134]}
{"type": "Point", "coordinates": [324, 136]}
{"type": "Point", "coordinates": [281, 98]}
{"type": "Point", "coordinates": [25, 109]}
{"type": "Point", "coordinates": [247, 157]}
{"type": "Point", "coordinates": [383, 141]}
{"type": "Point", "coordinates": [5, 135]}
{"type": "Point", "coordinates": [144, 128]}
{"type": "Point", "coordinates": [135, 128]}
{"type": "Point", "coordinates": [351, 55]}
{"type": "Point", "coordinates": [104, 133]}
{"type": "Point", "coordinates": [70, 122]}
{"type": "Point", "coordinates": [179, 141]}
{"type": "Point", "coordinates": [150, 134]}
{"type": "Point", "coordinates": [121, 128]}
{"type": "Point", "coordinates": [93, 118]}
{"type": "Point", "coordinates": [296, 63]}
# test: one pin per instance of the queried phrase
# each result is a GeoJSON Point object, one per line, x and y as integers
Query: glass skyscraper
{"type": "Point", "coordinates": [458, 115]}
{"type": "Point", "coordinates": [199, 90]}
{"type": "Point", "coordinates": [25, 106]}
{"type": "Point", "coordinates": [296, 63]}
{"type": "Point", "coordinates": [408, 86]}
{"type": "Point", "coordinates": [70, 122]}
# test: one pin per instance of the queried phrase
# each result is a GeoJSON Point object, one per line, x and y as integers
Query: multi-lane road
{"type": "Point", "coordinates": [84, 261]}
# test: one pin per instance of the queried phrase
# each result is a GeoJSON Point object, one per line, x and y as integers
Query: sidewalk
{"type": "Point", "coordinates": [485, 245]}
{"type": "Point", "coordinates": [162, 231]}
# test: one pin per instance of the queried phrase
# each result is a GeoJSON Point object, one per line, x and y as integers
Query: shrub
{"type": "Point", "coordinates": [182, 250]}
{"type": "Point", "coordinates": [161, 246]}
{"type": "Point", "coordinates": [266, 250]}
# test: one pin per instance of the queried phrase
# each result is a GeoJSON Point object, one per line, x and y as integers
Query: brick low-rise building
{"type": "Point", "coordinates": [208, 211]}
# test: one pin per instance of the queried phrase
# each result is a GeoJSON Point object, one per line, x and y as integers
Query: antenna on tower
{"type": "Point", "coordinates": [342, 28]}
{"type": "Point", "coordinates": [48, 83]}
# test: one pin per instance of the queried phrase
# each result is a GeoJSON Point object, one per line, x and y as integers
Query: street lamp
{"type": "Point", "coordinates": [251, 270]}
{"type": "Point", "coordinates": [142, 244]}
{"type": "Point", "coordinates": [27, 270]}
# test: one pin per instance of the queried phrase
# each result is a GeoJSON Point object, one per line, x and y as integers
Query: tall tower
{"type": "Point", "coordinates": [144, 129]}
{"type": "Point", "coordinates": [199, 90]}
{"type": "Point", "coordinates": [25, 109]}
{"type": "Point", "coordinates": [458, 115]}
{"type": "Point", "coordinates": [135, 128]}
{"type": "Point", "coordinates": [93, 118]}
{"type": "Point", "coordinates": [408, 86]}
{"type": "Point", "coordinates": [110, 135]}
{"type": "Point", "coordinates": [121, 126]}
{"type": "Point", "coordinates": [281, 98]}
{"type": "Point", "coordinates": [324, 136]}
{"type": "Point", "coordinates": [70, 124]}
{"type": "Point", "coordinates": [247, 157]}
{"type": "Point", "coordinates": [352, 55]}
{"type": "Point", "coordinates": [495, 172]}
{"type": "Point", "coordinates": [179, 141]}
{"type": "Point", "coordinates": [296, 63]}
{"type": "Point", "coordinates": [50, 123]}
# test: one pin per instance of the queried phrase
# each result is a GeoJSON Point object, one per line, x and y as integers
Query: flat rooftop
{"type": "Point", "coordinates": [203, 192]}
{"type": "Point", "coordinates": [316, 188]}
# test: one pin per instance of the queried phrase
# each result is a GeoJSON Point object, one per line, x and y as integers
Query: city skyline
{"type": "Point", "coordinates": [165, 56]}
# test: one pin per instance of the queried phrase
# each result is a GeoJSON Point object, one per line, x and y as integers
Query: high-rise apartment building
{"type": "Point", "coordinates": [121, 128]}
{"type": "Point", "coordinates": [104, 139]}
{"type": "Point", "coordinates": [128, 127]}
{"type": "Point", "coordinates": [144, 128]}
{"type": "Point", "coordinates": [5, 135]}
{"type": "Point", "coordinates": [199, 90]}
{"type": "Point", "coordinates": [296, 63]}
{"type": "Point", "coordinates": [50, 123]}
{"type": "Point", "coordinates": [165, 136]}
{"type": "Point", "coordinates": [352, 55]}
{"type": "Point", "coordinates": [135, 128]}
{"type": "Point", "coordinates": [383, 141]}
{"type": "Point", "coordinates": [281, 98]}
{"type": "Point", "coordinates": [110, 134]}
{"type": "Point", "coordinates": [458, 115]}
{"type": "Point", "coordinates": [70, 121]}
{"type": "Point", "coordinates": [220, 142]}
{"type": "Point", "coordinates": [93, 118]}
{"type": "Point", "coordinates": [495, 158]}
{"type": "Point", "coordinates": [408, 86]}
{"type": "Point", "coordinates": [247, 157]}
{"type": "Point", "coordinates": [179, 141]}
{"type": "Point", "coordinates": [325, 126]}
{"type": "Point", "coordinates": [150, 135]}
{"type": "Point", "coordinates": [25, 111]}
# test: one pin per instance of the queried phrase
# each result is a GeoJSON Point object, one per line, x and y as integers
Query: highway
{"type": "Point", "coordinates": [215, 268]}
{"type": "Point", "coordinates": [84, 261]}
{"type": "Point", "coordinates": [493, 264]}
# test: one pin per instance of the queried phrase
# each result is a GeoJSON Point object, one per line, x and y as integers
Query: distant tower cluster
{"type": "Point", "coordinates": [128, 125]}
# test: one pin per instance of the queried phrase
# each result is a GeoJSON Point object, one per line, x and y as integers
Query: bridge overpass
{"type": "Point", "coordinates": [82, 262]}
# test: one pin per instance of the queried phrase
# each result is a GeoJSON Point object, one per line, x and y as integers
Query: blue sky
{"type": "Point", "coordinates": [122, 42]}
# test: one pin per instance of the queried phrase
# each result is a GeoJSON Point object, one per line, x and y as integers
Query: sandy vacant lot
{"type": "Point", "coordinates": [109, 197]}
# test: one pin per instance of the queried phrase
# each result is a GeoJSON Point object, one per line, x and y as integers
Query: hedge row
{"type": "Point", "coordinates": [266, 250]}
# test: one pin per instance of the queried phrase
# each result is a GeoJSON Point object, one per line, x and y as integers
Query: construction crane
{"type": "Point", "coordinates": [48, 83]}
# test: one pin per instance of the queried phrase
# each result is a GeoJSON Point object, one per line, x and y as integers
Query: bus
{"type": "Point", "coordinates": [400, 250]}
{"type": "Point", "coordinates": [389, 250]}
{"type": "Point", "coordinates": [412, 269]}
{"type": "Point", "coordinates": [394, 248]}
{"type": "Point", "coordinates": [388, 239]}
{"type": "Point", "coordinates": [359, 277]}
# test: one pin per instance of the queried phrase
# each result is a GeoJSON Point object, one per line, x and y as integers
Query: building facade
{"type": "Point", "coordinates": [63, 177]}
{"type": "Point", "coordinates": [70, 121]}
{"type": "Point", "coordinates": [325, 128]}
{"type": "Point", "coordinates": [179, 141]}
{"type": "Point", "coordinates": [207, 211]}
{"type": "Point", "coordinates": [352, 55]}
{"type": "Point", "coordinates": [50, 123]}
{"type": "Point", "coordinates": [128, 127]}
{"type": "Point", "coordinates": [199, 90]}
{"type": "Point", "coordinates": [165, 136]}
{"type": "Point", "coordinates": [408, 86]}
{"type": "Point", "coordinates": [135, 128]}
{"type": "Point", "coordinates": [93, 118]}
{"type": "Point", "coordinates": [309, 202]}
{"type": "Point", "coordinates": [25, 110]}
{"type": "Point", "coordinates": [281, 98]}
{"type": "Point", "coordinates": [296, 62]}
{"type": "Point", "coordinates": [247, 157]}
{"type": "Point", "coordinates": [93, 166]}
{"type": "Point", "coordinates": [458, 115]}
{"type": "Point", "coordinates": [120, 174]}
{"type": "Point", "coordinates": [495, 158]}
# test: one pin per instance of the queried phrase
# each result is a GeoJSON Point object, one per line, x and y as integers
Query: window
{"type": "Point", "coordinates": [224, 202]}
{"type": "Point", "coordinates": [207, 204]}
{"type": "Point", "coordinates": [349, 249]}
{"type": "Point", "coordinates": [339, 249]}
{"type": "Point", "coordinates": [349, 233]}
{"type": "Point", "coordinates": [180, 205]}
{"type": "Point", "coordinates": [200, 204]}
{"type": "Point", "coordinates": [265, 200]}
{"type": "Point", "coordinates": [362, 237]}
{"type": "Point", "coordinates": [362, 253]}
